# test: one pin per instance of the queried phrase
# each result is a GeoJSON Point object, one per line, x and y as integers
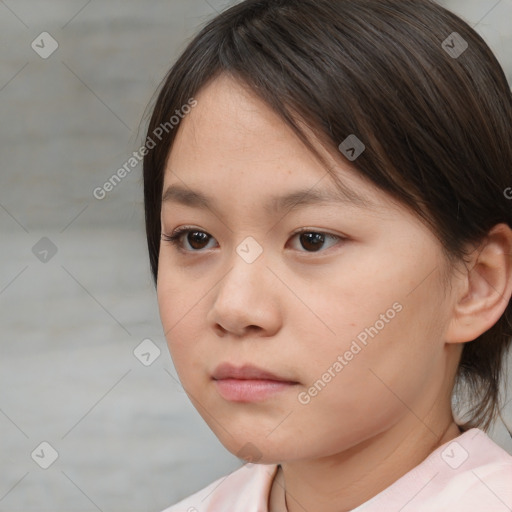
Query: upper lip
{"type": "Point", "coordinates": [245, 372]}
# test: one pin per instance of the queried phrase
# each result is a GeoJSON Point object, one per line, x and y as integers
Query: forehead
{"type": "Point", "coordinates": [232, 137]}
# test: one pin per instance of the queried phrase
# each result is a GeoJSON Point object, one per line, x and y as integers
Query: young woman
{"type": "Point", "coordinates": [327, 194]}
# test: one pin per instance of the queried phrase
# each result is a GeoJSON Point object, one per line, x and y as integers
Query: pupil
{"type": "Point", "coordinates": [317, 240]}
{"type": "Point", "coordinates": [197, 235]}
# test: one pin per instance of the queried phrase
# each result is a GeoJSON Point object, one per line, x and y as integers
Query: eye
{"type": "Point", "coordinates": [312, 241]}
{"type": "Point", "coordinates": [197, 238]}
{"type": "Point", "coordinates": [315, 240]}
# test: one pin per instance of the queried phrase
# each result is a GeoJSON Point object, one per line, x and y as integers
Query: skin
{"type": "Point", "coordinates": [293, 311]}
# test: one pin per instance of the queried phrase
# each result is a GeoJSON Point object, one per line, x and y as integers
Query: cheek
{"type": "Point", "coordinates": [386, 329]}
{"type": "Point", "coordinates": [343, 307]}
{"type": "Point", "coordinates": [398, 367]}
{"type": "Point", "coordinates": [179, 305]}
{"type": "Point", "coordinates": [177, 292]}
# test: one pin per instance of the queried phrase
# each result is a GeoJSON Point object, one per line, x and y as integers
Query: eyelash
{"type": "Point", "coordinates": [174, 238]}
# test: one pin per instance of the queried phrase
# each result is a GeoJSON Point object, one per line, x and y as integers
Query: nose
{"type": "Point", "coordinates": [246, 300]}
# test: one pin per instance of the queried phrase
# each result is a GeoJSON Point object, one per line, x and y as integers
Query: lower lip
{"type": "Point", "coordinates": [239, 390]}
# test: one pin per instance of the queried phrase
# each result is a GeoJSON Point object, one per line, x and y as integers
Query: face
{"type": "Point", "coordinates": [342, 304]}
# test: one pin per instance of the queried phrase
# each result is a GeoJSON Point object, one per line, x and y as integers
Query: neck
{"type": "Point", "coordinates": [342, 482]}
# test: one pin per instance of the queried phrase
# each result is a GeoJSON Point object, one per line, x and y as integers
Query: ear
{"type": "Point", "coordinates": [484, 292]}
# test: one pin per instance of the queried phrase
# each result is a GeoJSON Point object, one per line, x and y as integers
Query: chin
{"type": "Point", "coordinates": [264, 450]}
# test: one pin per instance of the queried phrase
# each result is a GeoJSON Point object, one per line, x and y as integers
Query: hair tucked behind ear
{"type": "Point", "coordinates": [437, 125]}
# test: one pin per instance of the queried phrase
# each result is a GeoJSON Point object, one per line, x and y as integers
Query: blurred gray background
{"type": "Point", "coordinates": [76, 297]}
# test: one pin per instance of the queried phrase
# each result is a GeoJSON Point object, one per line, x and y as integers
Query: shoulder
{"type": "Point", "coordinates": [244, 490]}
{"type": "Point", "coordinates": [477, 474]}
{"type": "Point", "coordinates": [471, 473]}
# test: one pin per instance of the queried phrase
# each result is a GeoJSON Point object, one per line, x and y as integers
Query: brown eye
{"type": "Point", "coordinates": [312, 241]}
{"type": "Point", "coordinates": [197, 239]}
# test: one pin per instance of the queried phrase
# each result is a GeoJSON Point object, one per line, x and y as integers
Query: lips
{"type": "Point", "coordinates": [246, 372]}
{"type": "Point", "coordinates": [248, 383]}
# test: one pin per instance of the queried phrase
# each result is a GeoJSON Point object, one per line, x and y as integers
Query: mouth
{"type": "Point", "coordinates": [248, 383]}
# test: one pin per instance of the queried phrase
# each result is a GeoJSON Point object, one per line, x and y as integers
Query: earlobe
{"type": "Point", "coordinates": [486, 288]}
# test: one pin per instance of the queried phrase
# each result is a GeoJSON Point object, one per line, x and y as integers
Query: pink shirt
{"type": "Point", "coordinates": [470, 473]}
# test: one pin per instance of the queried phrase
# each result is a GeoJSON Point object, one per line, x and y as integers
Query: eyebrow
{"type": "Point", "coordinates": [293, 200]}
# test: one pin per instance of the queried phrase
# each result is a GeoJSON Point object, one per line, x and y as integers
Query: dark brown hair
{"type": "Point", "coordinates": [437, 126]}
